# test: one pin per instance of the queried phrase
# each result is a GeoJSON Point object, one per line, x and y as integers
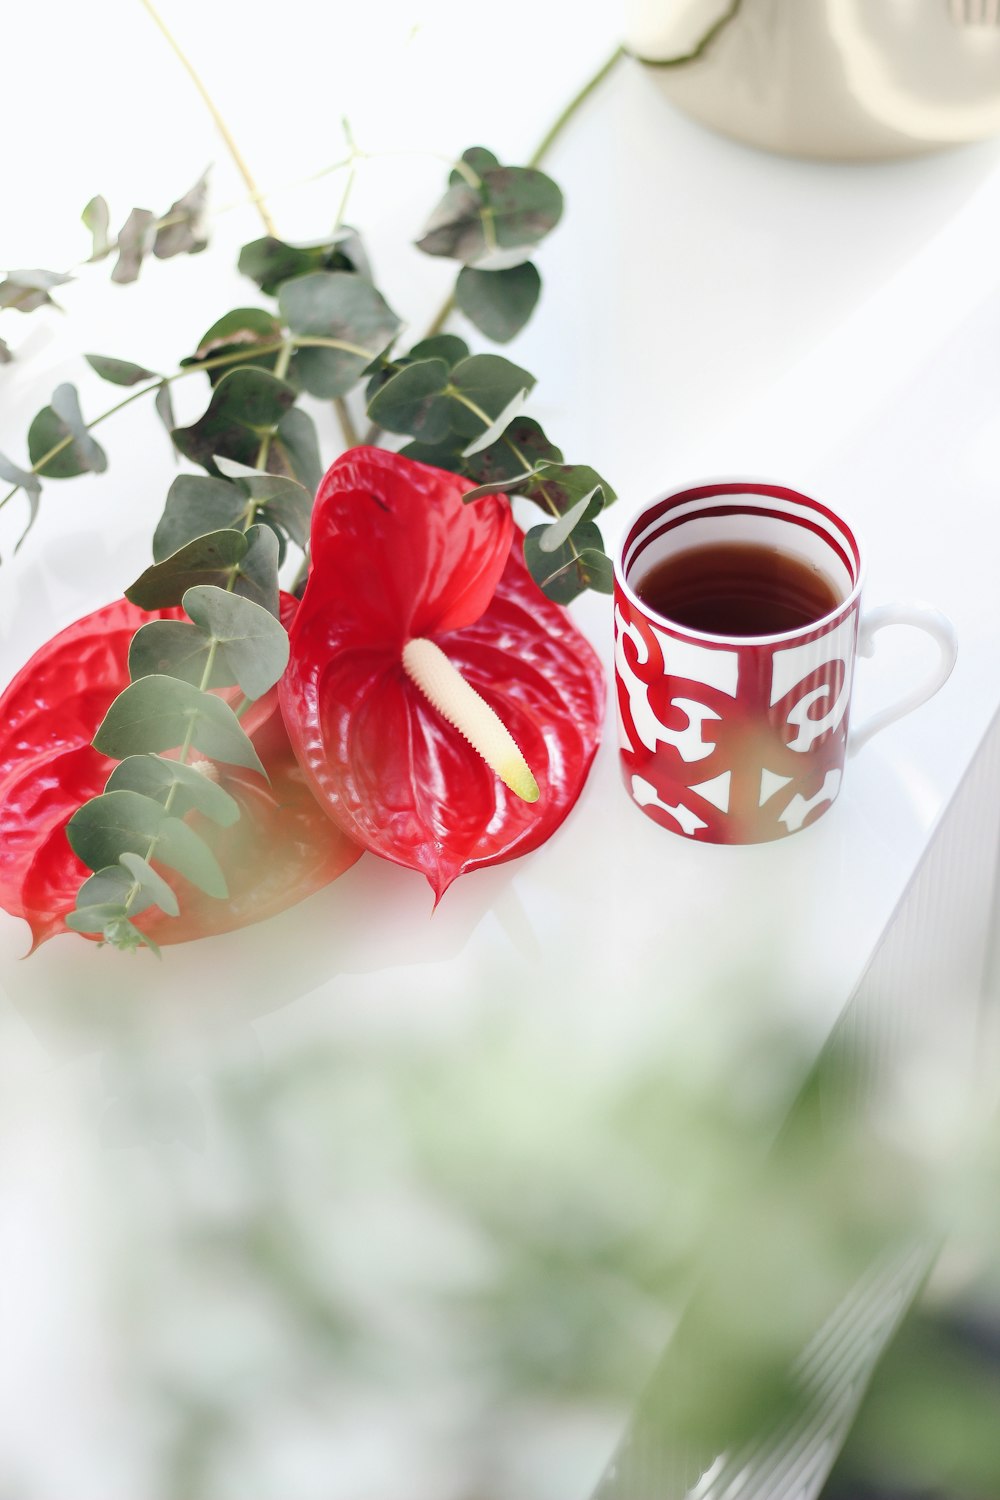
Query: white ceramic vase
{"type": "Point", "coordinates": [842, 79]}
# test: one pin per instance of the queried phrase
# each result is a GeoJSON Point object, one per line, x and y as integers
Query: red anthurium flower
{"type": "Point", "coordinates": [278, 852]}
{"type": "Point", "coordinates": [408, 584]}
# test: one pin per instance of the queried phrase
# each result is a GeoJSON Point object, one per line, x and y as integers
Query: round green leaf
{"type": "Point", "coordinates": [108, 889]}
{"type": "Point", "coordinates": [55, 424]}
{"type": "Point", "coordinates": [213, 558]}
{"type": "Point", "coordinates": [160, 713]}
{"type": "Point", "coordinates": [522, 446]}
{"type": "Point", "coordinates": [238, 332]}
{"type": "Point", "coordinates": [580, 563]}
{"type": "Point", "coordinates": [251, 643]}
{"type": "Point", "coordinates": [118, 823]}
{"type": "Point", "coordinates": [499, 303]}
{"type": "Point", "coordinates": [498, 224]}
{"type": "Point", "coordinates": [295, 450]}
{"type": "Point", "coordinates": [446, 346]}
{"type": "Point", "coordinates": [152, 886]}
{"type": "Point", "coordinates": [479, 159]}
{"type": "Point", "coordinates": [337, 305]}
{"type": "Point", "coordinates": [175, 648]}
{"type": "Point", "coordinates": [246, 404]}
{"type": "Point", "coordinates": [413, 401]}
{"type": "Point", "coordinates": [189, 789]}
{"type": "Point", "coordinates": [118, 371]}
{"type": "Point", "coordinates": [135, 240]}
{"type": "Point", "coordinates": [197, 505]}
{"type": "Point", "coordinates": [491, 383]}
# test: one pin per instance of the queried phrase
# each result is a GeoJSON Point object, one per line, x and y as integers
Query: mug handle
{"type": "Point", "coordinates": [941, 631]}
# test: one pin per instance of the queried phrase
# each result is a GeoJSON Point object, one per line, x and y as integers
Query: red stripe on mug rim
{"type": "Point", "coordinates": [850, 553]}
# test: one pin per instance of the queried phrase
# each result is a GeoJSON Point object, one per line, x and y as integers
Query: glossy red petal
{"type": "Point", "coordinates": [282, 850]}
{"type": "Point", "coordinates": [402, 781]}
{"type": "Point", "coordinates": [396, 554]}
{"type": "Point", "coordinates": [37, 801]}
{"type": "Point", "coordinates": [60, 696]}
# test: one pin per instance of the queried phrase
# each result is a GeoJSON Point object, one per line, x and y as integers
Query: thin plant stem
{"type": "Point", "coordinates": [347, 427]}
{"type": "Point", "coordinates": [256, 195]}
{"type": "Point", "coordinates": [557, 127]}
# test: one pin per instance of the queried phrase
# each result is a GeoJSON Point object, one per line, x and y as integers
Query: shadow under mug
{"type": "Point", "coordinates": [742, 739]}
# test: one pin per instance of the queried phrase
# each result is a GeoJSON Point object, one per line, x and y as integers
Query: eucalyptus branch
{"type": "Point", "coordinates": [304, 341]}
{"type": "Point", "coordinates": [539, 154]}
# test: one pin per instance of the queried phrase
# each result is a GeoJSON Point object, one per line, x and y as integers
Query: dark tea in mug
{"type": "Point", "coordinates": [737, 589]}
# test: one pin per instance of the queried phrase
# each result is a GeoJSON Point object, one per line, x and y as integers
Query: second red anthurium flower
{"type": "Point", "coordinates": [409, 586]}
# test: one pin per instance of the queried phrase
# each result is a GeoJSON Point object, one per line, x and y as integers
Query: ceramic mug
{"type": "Point", "coordinates": [742, 739]}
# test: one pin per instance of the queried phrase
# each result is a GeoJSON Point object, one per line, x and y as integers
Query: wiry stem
{"type": "Point", "coordinates": [220, 124]}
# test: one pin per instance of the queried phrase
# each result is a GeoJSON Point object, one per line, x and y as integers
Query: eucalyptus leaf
{"type": "Point", "coordinates": [559, 532]}
{"type": "Point", "coordinates": [522, 446]}
{"type": "Point", "coordinates": [118, 823]}
{"type": "Point", "coordinates": [96, 918]}
{"type": "Point", "coordinates": [54, 425]}
{"type": "Point", "coordinates": [295, 450]}
{"type": "Point", "coordinates": [197, 505]}
{"type": "Point", "coordinates": [245, 406]}
{"type": "Point", "coordinates": [28, 290]}
{"type": "Point", "coordinates": [152, 886]}
{"type": "Point", "coordinates": [446, 455]}
{"type": "Point", "coordinates": [214, 557]}
{"type": "Point", "coordinates": [187, 788]}
{"type": "Point", "coordinates": [558, 487]}
{"type": "Point", "coordinates": [165, 408]}
{"type": "Point", "coordinates": [97, 219]}
{"type": "Point", "coordinates": [108, 888]}
{"type": "Point", "coordinates": [185, 231]}
{"type": "Point", "coordinates": [118, 371]}
{"type": "Point", "coordinates": [270, 262]}
{"type": "Point", "coordinates": [490, 383]}
{"type": "Point", "coordinates": [489, 436]}
{"type": "Point", "coordinates": [12, 474]}
{"type": "Point", "coordinates": [135, 240]}
{"type": "Point", "coordinates": [498, 224]}
{"type": "Point", "coordinates": [238, 333]}
{"type": "Point", "coordinates": [579, 564]}
{"type": "Point", "coordinates": [251, 643]}
{"type": "Point", "coordinates": [290, 508]}
{"type": "Point", "coordinates": [257, 578]}
{"type": "Point", "coordinates": [479, 159]}
{"type": "Point", "coordinates": [160, 713]}
{"type": "Point", "coordinates": [114, 926]}
{"type": "Point", "coordinates": [32, 487]}
{"type": "Point", "coordinates": [499, 303]}
{"type": "Point", "coordinates": [177, 648]}
{"type": "Point", "coordinates": [446, 346]}
{"type": "Point", "coordinates": [414, 401]}
{"type": "Point", "coordinates": [337, 305]}
{"type": "Point", "coordinates": [281, 501]}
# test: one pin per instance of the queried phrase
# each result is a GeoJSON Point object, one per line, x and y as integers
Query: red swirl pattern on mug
{"type": "Point", "coordinates": [735, 740]}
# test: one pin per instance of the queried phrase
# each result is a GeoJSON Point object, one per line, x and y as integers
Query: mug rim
{"type": "Point", "coordinates": [730, 486]}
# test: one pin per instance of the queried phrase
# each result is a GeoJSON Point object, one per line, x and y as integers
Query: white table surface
{"type": "Point", "coordinates": [707, 311]}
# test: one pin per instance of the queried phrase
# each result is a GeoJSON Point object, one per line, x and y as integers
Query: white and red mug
{"type": "Point", "coordinates": [740, 739]}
